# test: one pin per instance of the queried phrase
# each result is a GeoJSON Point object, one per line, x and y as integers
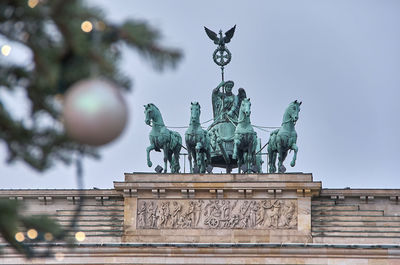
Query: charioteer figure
{"type": "Point", "coordinates": [226, 104]}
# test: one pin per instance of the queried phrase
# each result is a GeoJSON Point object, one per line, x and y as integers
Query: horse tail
{"type": "Point", "coordinates": [176, 141]}
{"type": "Point", "coordinates": [272, 141]}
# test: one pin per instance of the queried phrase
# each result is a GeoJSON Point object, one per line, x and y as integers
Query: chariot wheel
{"type": "Point", "coordinates": [213, 222]}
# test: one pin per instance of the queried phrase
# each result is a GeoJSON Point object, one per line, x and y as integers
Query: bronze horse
{"type": "Point", "coordinates": [245, 139]}
{"type": "Point", "coordinates": [162, 138]}
{"type": "Point", "coordinates": [284, 139]}
{"type": "Point", "coordinates": [197, 142]}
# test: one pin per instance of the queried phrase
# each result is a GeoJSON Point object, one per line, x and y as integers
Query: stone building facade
{"type": "Point", "coordinates": [221, 219]}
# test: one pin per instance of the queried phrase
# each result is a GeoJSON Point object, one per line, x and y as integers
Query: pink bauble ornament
{"type": "Point", "coordinates": [95, 112]}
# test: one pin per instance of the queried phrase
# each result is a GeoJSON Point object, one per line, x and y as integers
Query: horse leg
{"type": "Point", "coordinates": [282, 157]}
{"type": "Point", "coordinates": [295, 149]}
{"type": "Point", "coordinates": [190, 158]}
{"type": "Point", "coordinates": [272, 160]}
{"type": "Point", "coordinates": [246, 161]}
{"type": "Point", "coordinates": [202, 163]}
{"type": "Point", "coordinates": [271, 157]}
{"type": "Point", "coordinates": [235, 148]}
{"type": "Point", "coordinates": [177, 167]}
{"type": "Point", "coordinates": [165, 149]}
{"type": "Point", "coordinates": [173, 164]}
{"type": "Point", "coordinates": [171, 161]}
{"type": "Point", "coordinates": [252, 152]}
{"type": "Point", "coordinates": [247, 157]}
{"type": "Point", "coordinates": [197, 161]}
{"type": "Point", "coordinates": [280, 161]}
{"type": "Point", "coordinates": [208, 156]}
{"type": "Point", "coordinates": [239, 163]}
{"type": "Point", "coordinates": [148, 149]}
{"type": "Point", "coordinates": [194, 155]}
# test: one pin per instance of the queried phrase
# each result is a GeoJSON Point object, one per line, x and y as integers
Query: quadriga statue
{"type": "Point", "coordinates": [284, 139]}
{"type": "Point", "coordinates": [162, 138]}
{"type": "Point", "coordinates": [197, 142]}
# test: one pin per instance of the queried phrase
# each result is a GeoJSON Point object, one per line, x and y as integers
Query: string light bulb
{"type": "Point", "coordinates": [86, 26]}
{"type": "Point", "coordinates": [33, 3]}
{"type": "Point", "coordinates": [5, 50]}
{"type": "Point", "coordinates": [19, 237]}
{"type": "Point", "coordinates": [80, 236]}
{"type": "Point", "coordinates": [32, 233]}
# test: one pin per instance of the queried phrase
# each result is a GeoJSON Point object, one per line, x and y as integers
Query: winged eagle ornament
{"type": "Point", "coordinates": [220, 40]}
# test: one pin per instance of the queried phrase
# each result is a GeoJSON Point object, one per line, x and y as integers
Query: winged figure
{"type": "Point", "coordinates": [220, 40]}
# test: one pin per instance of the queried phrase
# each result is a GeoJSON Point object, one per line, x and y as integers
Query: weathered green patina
{"type": "Point", "coordinates": [221, 56]}
{"type": "Point", "coordinates": [230, 141]}
{"type": "Point", "coordinates": [226, 108]}
{"type": "Point", "coordinates": [225, 111]}
{"type": "Point", "coordinates": [225, 103]}
{"type": "Point", "coordinates": [197, 142]}
{"type": "Point", "coordinates": [162, 138]}
{"type": "Point", "coordinates": [284, 139]}
{"type": "Point", "coordinates": [245, 139]}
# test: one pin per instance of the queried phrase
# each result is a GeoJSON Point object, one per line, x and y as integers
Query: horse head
{"type": "Point", "coordinates": [195, 112]}
{"type": "Point", "coordinates": [293, 111]}
{"type": "Point", "coordinates": [245, 107]}
{"type": "Point", "coordinates": [151, 113]}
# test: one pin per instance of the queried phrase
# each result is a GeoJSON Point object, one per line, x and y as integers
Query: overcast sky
{"type": "Point", "coordinates": [340, 58]}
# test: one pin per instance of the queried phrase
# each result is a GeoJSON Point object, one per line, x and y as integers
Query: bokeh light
{"type": "Point", "coordinates": [19, 237]}
{"type": "Point", "coordinates": [5, 50]}
{"type": "Point", "coordinates": [80, 236]}
{"type": "Point", "coordinates": [33, 3]}
{"type": "Point", "coordinates": [100, 26]}
{"type": "Point", "coordinates": [32, 233]}
{"type": "Point", "coordinates": [86, 26]}
{"type": "Point", "coordinates": [48, 236]}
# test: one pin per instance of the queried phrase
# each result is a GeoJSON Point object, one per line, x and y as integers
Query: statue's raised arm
{"type": "Point", "coordinates": [217, 100]}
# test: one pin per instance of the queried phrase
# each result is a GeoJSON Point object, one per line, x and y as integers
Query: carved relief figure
{"type": "Point", "coordinates": [288, 215]}
{"type": "Point", "coordinates": [197, 211]}
{"type": "Point", "coordinates": [274, 214]}
{"type": "Point", "coordinates": [253, 213]}
{"type": "Point", "coordinates": [190, 215]}
{"type": "Point", "coordinates": [142, 215]}
{"type": "Point", "coordinates": [165, 214]}
{"type": "Point", "coordinates": [244, 215]}
{"type": "Point", "coordinates": [152, 215]}
{"type": "Point", "coordinates": [176, 214]}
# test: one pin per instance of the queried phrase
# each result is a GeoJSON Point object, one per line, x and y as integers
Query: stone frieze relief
{"type": "Point", "coordinates": [217, 214]}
